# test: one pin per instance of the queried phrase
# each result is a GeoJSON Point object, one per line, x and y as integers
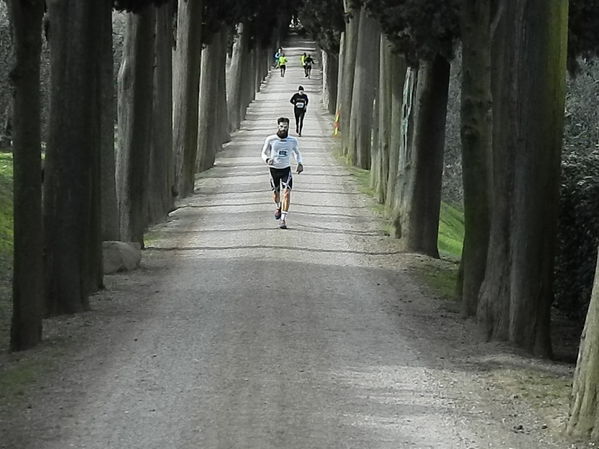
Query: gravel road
{"type": "Point", "coordinates": [236, 334]}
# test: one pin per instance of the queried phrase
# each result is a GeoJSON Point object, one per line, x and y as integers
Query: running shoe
{"type": "Point", "coordinates": [283, 224]}
{"type": "Point", "coordinates": [277, 213]}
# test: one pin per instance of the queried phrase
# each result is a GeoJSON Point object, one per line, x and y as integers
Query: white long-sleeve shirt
{"type": "Point", "coordinates": [280, 151]}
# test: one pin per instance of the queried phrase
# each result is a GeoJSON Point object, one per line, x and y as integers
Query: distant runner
{"type": "Point", "coordinates": [283, 63]}
{"type": "Point", "coordinates": [276, 57]}
{"type": "Point", "coordinates": [307, 63]}
{"type": "Point", "coordinates": [276, 152]}
{"type": "Point", "coordinates": [300, 103]}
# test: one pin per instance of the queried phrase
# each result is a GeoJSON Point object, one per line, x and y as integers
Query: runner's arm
{"type": "Point", "coordinates": [266, 151]}
{"type": "Point", "coordinates": [297, 154]}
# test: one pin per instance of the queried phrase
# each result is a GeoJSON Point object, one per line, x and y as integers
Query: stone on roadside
{"type": "Point", "coordinates": [120, 256]}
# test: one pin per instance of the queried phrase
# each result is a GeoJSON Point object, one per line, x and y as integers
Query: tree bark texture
{"type": "Point", "coordinates": [476, 147]}
{"type": "Point", "coordinates": [347, 82]}
{"type": "Point", "coordinates": [186, 87]}
{"type": "Point", "coordinates": [235, 89]}
{"type": "Point", "coordinates": [109, 206]}
{"type": "Point", "coordinates": [222, 111]}
{"type": "Point", "coordinates": [209, 138]}
{"type": "Point", "coordinates": [404, 81]}
{"type": "Point", "coordinates": [161, 161]}
{"type": "Point", "coordinates": [248, 83]}
{"type": "Point", "coordinates": [494, 299]}
{"type": "Point", "coordinates": [583, 420]}
{"type": "Point", "coordinates": [529, 92]}
{"type": "Point", "coordinates": [340, 78]}
{"type": "Point", "coordinates": [28, 270]}
{"type": "Point", "coordinates": [104, 73]}
{"type": "Point", "coordinates": [364, 91]}
{"type": "Point", "coordinates": [136, 82]}
{"type": "Point", "coordinates": [421, 161]}
{"type": "Point", "coordinates": [330, 70]}
{"type": "Point", "coordinates": [379, 170]}
{"type": "Point", "coordinates": [72, 165]}
{"type": "Point", "coordinates": [258, 70]}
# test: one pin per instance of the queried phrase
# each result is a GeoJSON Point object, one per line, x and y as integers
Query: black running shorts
{"type": "Point", "coordinates": [280, 178]}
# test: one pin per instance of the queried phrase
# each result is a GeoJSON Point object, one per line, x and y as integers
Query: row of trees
{"type": "Point", "coordinates": [514, 59]}
{"type": "Point", "coordinates": [95, 187]}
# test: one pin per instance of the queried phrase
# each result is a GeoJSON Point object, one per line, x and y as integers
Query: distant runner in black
{"type": "Point", "coordinates": [307, 63]}
{"type": "Point", "coordinates": [300, 103]}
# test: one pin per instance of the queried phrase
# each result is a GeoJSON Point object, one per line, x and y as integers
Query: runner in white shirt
{"type": "Point", "coordinates": [276, 152]}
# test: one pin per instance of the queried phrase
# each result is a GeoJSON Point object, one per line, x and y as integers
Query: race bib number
{"type": "Point", "coordinates": [300, 104]}
{"type": "Point", "coordinates": [282, 153]}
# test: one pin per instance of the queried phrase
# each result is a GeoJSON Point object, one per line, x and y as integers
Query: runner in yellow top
{"type": "Point", "coordinates": [283, 63]}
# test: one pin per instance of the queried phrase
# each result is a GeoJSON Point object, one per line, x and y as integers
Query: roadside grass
{"type": "Point", "coordinates": [441, 279]}
{"type": "Point", "coordinates": [17, 379]}
{"type": "Point", "coordinates": [363, 178]}
{"type": "Point", "coordinates": [6, 246]}
{"type": "Point", "coordinates": [451, 232]}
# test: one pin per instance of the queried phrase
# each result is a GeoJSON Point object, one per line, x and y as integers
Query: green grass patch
{"type": "Point", "coordinates": [441, 280]}
{"type": "Point", "coordinates": [451, 232]}
{"type": "Point", "coordinates": [6, 246]}
{"type": "Point", "coordinates": [362, 176]}
{"type": "Point", "coordinates": [22, 374]}
{"type": "Point", "coordinates": [451, 219]}
{"type": "Point", "coordinates": [16, 379]}
{"type": "Point", "coordinates": [152, 236]}
{"type": "Point", "coordinates": [6, 229]}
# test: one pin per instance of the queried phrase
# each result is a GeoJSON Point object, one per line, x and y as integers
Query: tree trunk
{"type": "Point", "coordinates": [330, 70]}
{"type": "Point", "coordinates": [161, 163]}
{"type": "Point", "coordinates": [493, 304]}
{"type": "Point", "coordinates": [247, 84]}
{"type": "Point", "coordinates": [186, 86]}
{"type": "Point", "coordinates": [340, 82]}
{"type": "Point", "coordinates": [136, 82]}
{"type": "Point", "coordinates": [237, 71]}
{"type": "Point", "coordinates": [104, 111]}
{"type": "Point", "coordinates": [222, 120]}
{"type": "Point", "coordinates": [257, 72]}
{"type": "Point", "coordinates": [71, 175]}
{"type": "Point", "coordinates": [347, 82]}
{"type": "Point", "coordinates": [583, 420]}
{"type": "Point", "coordinates": [379, 170]}
{"type": "Point", "coordinates": [529, 91]}
{"type": "Point", "coordinates": [537, 175]}
{"type": "Point", "coordinates": [404, 80]}
{"type": "Point", "coordinates": [476, 147]}
{"type": "Point", "coordinates": [28, 272]}
{"type": "Point", "coordinates": [209, 138]}
{"type": "Point", "coordinates": [109, 207]}
{"type": "Point", "coordinates": [364, 91]}
{"type": "Point", "coordinates": [421, 161]}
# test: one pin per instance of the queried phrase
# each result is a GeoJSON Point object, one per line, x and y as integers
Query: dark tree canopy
{"type": "Point", "coordinates": [420, 29]}
{"type": "Point", "coordinates": [324, 21]}
{"type": "Point", "coordinates": [135, 5]}
{"type": "Point", "coordinates": [583, 25]}
{"type": "Point", "coordinates": [260, 17]}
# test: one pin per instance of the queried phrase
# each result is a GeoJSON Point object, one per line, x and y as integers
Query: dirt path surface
{"type": "Point", "coordinates": [236, 334]}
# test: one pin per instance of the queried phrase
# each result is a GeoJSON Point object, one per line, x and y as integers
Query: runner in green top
{"type": "Point", "coordinates": [283, 63]}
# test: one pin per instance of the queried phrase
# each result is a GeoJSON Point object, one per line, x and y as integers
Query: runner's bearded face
{"type": "Point", "coordinates": [283, 131]}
